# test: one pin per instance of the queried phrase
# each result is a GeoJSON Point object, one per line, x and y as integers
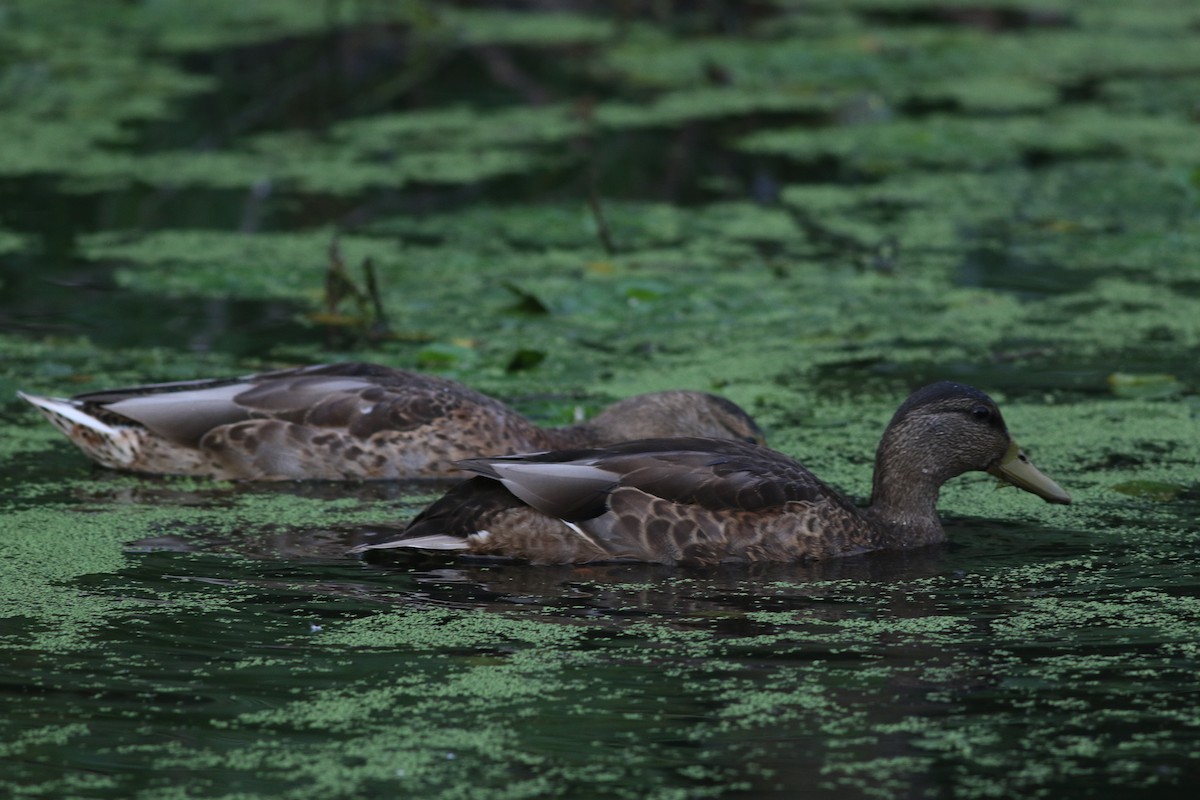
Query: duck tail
{"type": "Point", "coordinates": [433, 542]}
{"type": "Point", "coordinates": [113, 446]}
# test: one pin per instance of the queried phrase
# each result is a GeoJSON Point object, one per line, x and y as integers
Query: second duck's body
{"type": "Point", "coordinates": [352, 421]}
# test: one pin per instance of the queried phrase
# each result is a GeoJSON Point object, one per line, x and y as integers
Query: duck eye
{"type": "Point", "coordinates": [981, 413]}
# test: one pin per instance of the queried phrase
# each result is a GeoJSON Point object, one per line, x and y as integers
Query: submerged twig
{"type": "Point", "coordinates": [370, 318]}
{"type": "Point", "coordinates": [601, 222]}
{"type": "Point", "coordinates": [380, 328]}
{"type": "Point", "coordinates": [338, 285]}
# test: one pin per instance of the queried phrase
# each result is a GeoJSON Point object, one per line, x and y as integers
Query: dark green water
{"type": "Point", "coordinates": [808, 209]}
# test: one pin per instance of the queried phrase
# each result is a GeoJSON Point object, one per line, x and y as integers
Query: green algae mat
{"type": "Point", "coordinates": [810, 208]}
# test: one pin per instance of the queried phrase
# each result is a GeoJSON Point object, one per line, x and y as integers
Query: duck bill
{"type": "Point", "coordinates": [1015, 468]}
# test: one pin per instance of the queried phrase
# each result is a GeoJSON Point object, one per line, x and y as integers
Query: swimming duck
{"type": "Point", "coordinates": [704, 501]}
{"type": "Point", "coordinates": [348, 421]}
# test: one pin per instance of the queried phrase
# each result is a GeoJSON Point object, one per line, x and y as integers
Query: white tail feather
{"type": "Point", "coordinates": [58, 407]}
{"type": "Point", "coordinates": [111, 446]}
{"type": "Point", "coordinates": [437, 541]}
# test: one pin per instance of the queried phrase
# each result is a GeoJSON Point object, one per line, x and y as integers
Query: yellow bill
{"type": "Point", "coordinates": [1015, 468]}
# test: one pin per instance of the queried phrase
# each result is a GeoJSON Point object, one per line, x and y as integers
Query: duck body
{"type": "Point", "coordinates": [351, 421]}
{"type": "Point", "coordinates": [705, 501]}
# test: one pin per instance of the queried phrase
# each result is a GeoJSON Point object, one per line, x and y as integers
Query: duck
{"type": "Point", "coordinates": [702, 501]}
{"type": "Point", "coordinates": [348, 421]}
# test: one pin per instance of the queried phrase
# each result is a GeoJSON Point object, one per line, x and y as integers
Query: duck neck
{"type": "Point", "coordinates": [903, 506]}
{"type": "Point", "coordinates": [617, 423]}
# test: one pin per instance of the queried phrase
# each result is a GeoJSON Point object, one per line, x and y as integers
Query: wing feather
{"type": "Point", "coordinates": [712, 473]}
{"type": "Point", "coordinates": [570, 491]}
{"type": "Point", "coordinates": [361, 398]}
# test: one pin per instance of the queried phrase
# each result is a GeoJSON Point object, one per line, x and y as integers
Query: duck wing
{"type": "Point", "coordinates": [714, 474]}
{"type": "Point", "coordinates": [358, 398]}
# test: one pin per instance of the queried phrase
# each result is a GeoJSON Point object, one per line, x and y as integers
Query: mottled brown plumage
{"type": "Point", "coordinates": [346, 422]}
{"type": "Point", "coordinates": [706, 501]}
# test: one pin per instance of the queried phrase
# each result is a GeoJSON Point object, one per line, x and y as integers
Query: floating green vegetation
{"type": "Point", "coordinates": [878, 149]}
{"type": "Point", "coordinates": [1154, 490]}
{"type": "Point", "coordinates": [632, 710]}
{"type": "Point", "coordinates": [220, 264]}
{"type": "Point", "coordinates": [66, 365]}
{"type": "Point", "coordinates": [11, 242]}
{"type": "Point", "coordinates": [69, 88]}
{"type": "Point", "coordinates": [1127, 385]}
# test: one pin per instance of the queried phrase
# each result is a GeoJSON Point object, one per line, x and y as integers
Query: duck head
{"type": "Point", "coordinates": [941, 431]}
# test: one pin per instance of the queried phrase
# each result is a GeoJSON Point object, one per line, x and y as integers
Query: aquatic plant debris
{"type": "Point", "coordinates": [810, 208]}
